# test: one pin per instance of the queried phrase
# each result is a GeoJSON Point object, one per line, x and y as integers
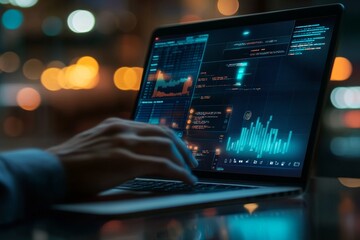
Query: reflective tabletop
{"type": "Point", "coordinates": [329, 209]}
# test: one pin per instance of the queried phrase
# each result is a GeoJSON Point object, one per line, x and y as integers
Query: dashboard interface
{"type": "Point", "coordinates": [242, 98]}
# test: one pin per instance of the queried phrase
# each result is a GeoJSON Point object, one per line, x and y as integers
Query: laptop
{"type": "Point", "coordinates": [245, 94]}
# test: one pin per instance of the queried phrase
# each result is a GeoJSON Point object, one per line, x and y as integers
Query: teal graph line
{"type": "Point", "coordinates": [259, 139]}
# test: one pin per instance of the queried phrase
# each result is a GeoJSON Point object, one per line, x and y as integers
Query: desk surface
{"type": "Point", "coordinates": [328, 210]}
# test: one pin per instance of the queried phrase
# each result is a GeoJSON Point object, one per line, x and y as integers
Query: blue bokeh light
{"type": "Point", "coordinates": [12, 19]}
{"type": "Point", "coordinates": [52, 26]}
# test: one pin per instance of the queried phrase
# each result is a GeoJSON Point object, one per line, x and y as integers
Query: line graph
{"type": "Point", "coordinates": [259, 139]}
{"type": "Point", "coordinates": [174, 67]}
{"type": "Point", "coordinates": [172, 87]}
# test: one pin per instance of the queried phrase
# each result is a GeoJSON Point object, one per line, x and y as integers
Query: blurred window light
{"type": "Point", "coordinates": [33, 68]}
{"type": "Point", "coordinates": [81, 21]}
{"type": "Point", "coordinates": [352, 119]}
{"type": "Point", "coordinates": [346, 146]}
{"type": "Point", "coordinates": [28, 99]}
{"type": "Point", "coordinates": [12, 19]}
{"type": "Point", "coordinates": [342, 69]}
{"type": "Point", "coordinates": [13, 126]}
{"type": "Point", "coordinates": [346, 97]}
{"type": "Point", "coordinates": [49, 79]}
{"type": "Point", "coordinates": [126, 78]}
{"type": "Point", "coordinates": [228, 7]}
{"type": "Point", "coordinates": [23, 3]}
{"type": "Point", "coordinates": [52, 26]}
{"type": "Point", "coordinates": [4, 1]}
{"type": "Point", "coordinates": [9, 62]}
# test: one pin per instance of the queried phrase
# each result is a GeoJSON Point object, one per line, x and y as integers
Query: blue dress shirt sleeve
{"type": "Point", "coordinates": [30, 180]}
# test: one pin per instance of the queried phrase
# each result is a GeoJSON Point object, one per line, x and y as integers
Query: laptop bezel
{"type": "Point", "coordinates": [252, 19]}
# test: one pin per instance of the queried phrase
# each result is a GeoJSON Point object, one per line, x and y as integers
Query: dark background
{"type": "Point", "coordinates": [119, 39]}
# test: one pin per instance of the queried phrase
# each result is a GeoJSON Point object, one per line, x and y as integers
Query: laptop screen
{"type": "Point", "coordinates": [243, 98]}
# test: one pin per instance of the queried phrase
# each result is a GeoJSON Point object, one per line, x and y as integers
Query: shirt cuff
{"type": "Point", "coordinates": [38, 177]}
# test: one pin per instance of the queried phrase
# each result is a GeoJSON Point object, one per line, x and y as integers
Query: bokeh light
{"type": "Point", "coordinates": [23, 3]}
{"type": "Point", "coordinates": [350, 182]}
{"type": "Point", "coordinates": [81, 21]}
{"type": "Point", "coordinates": [126, 78]}
{"type": "Point", "coordinates": [52, 26]}
{"type": "Point", "coordinates": [56, 64]}
{"type": "Point", "coordinates": [228, 7]}
{"type": "Point", "coordinates": [342, 69]}
{"type": "Point", "coordinates": [352, 119]}
{"type": "Point", "coordinates": [28, 99]}
{"type": "Point", "coordinates": [83, 74]}
{"type": "Point", "coordinates": [33, 68]}
{"type": "Point", "coordinates": [49, 79]}
{"type": "Point", "coordinates": [345, 146]}
{"type": "Point", "coordinates": [13, 126]}
{"type": "Point", "coordinates": [346, 97]}
{"type": "Point", "coordinates": [12, 19]}
{"type": "Point", "coordinates": [9, 62]}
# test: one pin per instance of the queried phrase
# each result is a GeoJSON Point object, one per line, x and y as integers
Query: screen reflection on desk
{"type": "Point", "coordinates": [267, 225]}
{"type": "Point", "coordinates": [252, 222]}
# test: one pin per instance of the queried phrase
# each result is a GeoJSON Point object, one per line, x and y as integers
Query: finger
{"type": "Point", "coordinates": [164, 168]}
{"type": "Point", "coordinates": [152, 146]}
{"type": "Point", "coordinates": [114, 125]}
{"type": "Point", "coordinates": [187, 154]}
{"type": "Point", "coordinates": [166, 132]}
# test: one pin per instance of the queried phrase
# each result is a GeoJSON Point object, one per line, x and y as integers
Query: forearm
{"type": "Point", "coordinates": [30, 180]}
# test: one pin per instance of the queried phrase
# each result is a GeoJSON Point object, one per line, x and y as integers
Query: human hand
{"type": "Point", "coordinates": [118, 150]}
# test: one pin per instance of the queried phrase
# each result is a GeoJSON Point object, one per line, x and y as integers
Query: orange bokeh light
{"type": "Point", "coordinates": [342, 69]}
{"type": "Point", "coordinates": [90, 63]}
{"type": "Point", "coordinates": [28, 99]}
{"type": "Point", "coordinates": [350, 182]}
{"type": "Point", "coordinates": [352, 119]}
{"type": "Point", "coordinates": [126, 78]}
{"type": "Point", "coordinates": [83, 74]}
{"type": "Point", "coordinates": [49, 79]}
{"type": "Point", "coordinates": [228, 7]}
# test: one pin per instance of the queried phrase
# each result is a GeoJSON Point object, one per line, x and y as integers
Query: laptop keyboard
{"type": "Point", "coordinates": [165, 186]}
